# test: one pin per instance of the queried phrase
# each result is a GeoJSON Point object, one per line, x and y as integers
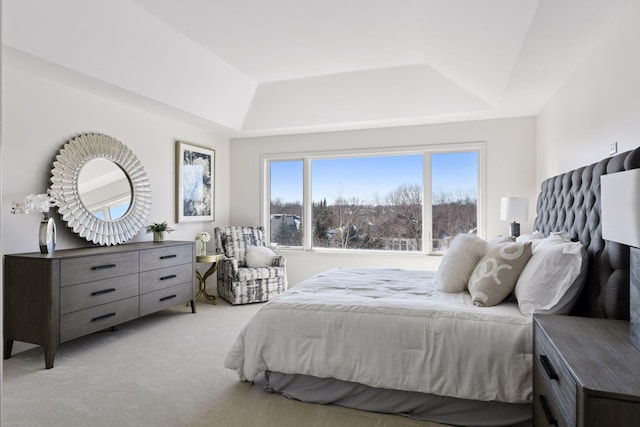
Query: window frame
{"type": "Point", "coordinates": [425, 150]}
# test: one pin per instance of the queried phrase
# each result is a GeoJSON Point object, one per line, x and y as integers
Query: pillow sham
{"type": "Point", "coordinates": [259, 256]}
{"type": "Point", "coordinates": [465, 250]}
{"type": "Point", "coordinates": [530, 237]}
{"type": "Point", "coordinates": [551, 281]}
{"type": "Point", "coordinates": [500, 239]}
{"type": "Point", "coordinates": [496, 274]}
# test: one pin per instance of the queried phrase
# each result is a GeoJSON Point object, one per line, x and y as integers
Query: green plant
{"type": "Point", "coordinates": [157, 227]}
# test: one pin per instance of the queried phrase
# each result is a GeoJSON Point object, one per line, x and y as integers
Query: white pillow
{"type": "Point", "coordinates": [259, 256]}
{"type": "Point", "coordinates": [559, 236]}
{"type": "Point", "coordinates": [552, 279]}
{"type": "Point", "coordinates": [498, 240]}
{"type": "Point", "coordinates": [530, 237]}
{"type": "Point", "coordinates": [465, 250]}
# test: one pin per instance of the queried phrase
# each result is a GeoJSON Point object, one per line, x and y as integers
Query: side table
{"type": "Point", "coordinates": [585, 372]}
{"type": "Point", "coordinates": [202, 279]}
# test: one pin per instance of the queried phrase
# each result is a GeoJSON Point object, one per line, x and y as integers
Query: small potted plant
{"type": "Point", "coordinates": [158, 229]}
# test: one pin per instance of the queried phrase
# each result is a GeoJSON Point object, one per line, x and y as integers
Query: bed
{"type": "Point", "coordinates": [390, 341]}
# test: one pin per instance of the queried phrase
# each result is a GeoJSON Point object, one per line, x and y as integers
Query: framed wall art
{"type": "Point", "coordinates": [195, 183]}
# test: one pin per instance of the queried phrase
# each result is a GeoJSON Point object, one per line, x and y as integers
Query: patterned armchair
{"type": "Point", "coordinates": [238, 283]}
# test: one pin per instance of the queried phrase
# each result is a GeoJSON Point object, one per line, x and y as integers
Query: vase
{"type": "Point", "coordinates": [47, 236]}
{"type": "Point", "coordinates": [203, 248]}
{"type": "Point", "coordinates": [158, 236]}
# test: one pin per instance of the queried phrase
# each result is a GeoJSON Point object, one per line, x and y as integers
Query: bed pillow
{"type": "Point", "coordinates": [259, 256]}
{"type": "Point", "coordinates": [496, 274]}
{"type": "Point", "coordinates": [551, 281]}
{"type": "Point", "coordinates": [500, 239]}
{"type": "Point", "coordinates": [530, 237]}
{"type": "Point", "coordinates": [465, 250]}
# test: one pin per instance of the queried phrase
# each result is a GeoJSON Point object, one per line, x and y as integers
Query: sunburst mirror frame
{"type": "Point", "coordinates": [77, 152]}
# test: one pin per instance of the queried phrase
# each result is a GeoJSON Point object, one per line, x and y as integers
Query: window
{"type": "Point", "coordinates": [374, 201]}
{"type": "Point", "coordinates": [111, 209]}
{"type": "Point", "coordinates": [454, 196]}
{"type": "Point", "coordinates": [367, 202]}
{"type": "Point", "coordinates": [285, 207]}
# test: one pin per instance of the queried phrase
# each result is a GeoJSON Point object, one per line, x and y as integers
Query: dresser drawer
{"type": "Point", "coordinates": [98, 267]}
{"type": "Point", "coordinates": [165, 277]}
{"type": "Point", "coordinates": [94, 319]}
{"type": "Point", "coordinates": [164, 298]}
{"type": "Point", "coordinates": [546, 411]}
{"type": "Point", "coordinates": [151, 259]}
{"type": "Point", "coordinates": [558, 385]}
{"type": "Point", "coordinates": [85, 295]}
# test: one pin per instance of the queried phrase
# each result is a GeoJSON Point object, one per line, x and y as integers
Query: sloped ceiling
{"type": "Point", "coordinates": [255, 67]}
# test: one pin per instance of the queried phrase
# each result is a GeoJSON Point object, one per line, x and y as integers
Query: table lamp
{"type": "Point", "coordinates": [620, 216]}
{"type": "Point", "coordinates": [514, 209]}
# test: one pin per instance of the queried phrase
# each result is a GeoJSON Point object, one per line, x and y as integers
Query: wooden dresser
{"type": "Point", "coordinates": [50, 299]}
{"type": "Point", "coordinates": [585, 373]}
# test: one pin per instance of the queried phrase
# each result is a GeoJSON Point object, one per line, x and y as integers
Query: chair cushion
{"type": "Point", "coordinates": [259, 256]}
{"type": "Point", "coordinates": [246, 273]}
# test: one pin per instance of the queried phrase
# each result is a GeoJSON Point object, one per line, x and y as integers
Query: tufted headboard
{"type": "Point", "coordinates": [571, 202]}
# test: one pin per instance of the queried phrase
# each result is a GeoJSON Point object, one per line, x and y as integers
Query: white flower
{"type": "Point", "coordinates": [203, 236]}
{"type": "Point", "coordinates": [19, 208]}
{"type": "Point", "coordinates": [33, 203]}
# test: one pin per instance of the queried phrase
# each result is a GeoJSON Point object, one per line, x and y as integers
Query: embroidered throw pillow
{"type": "Point", "coordinates": [496, 274]}
{"type": "Point", "coordinates": [458, 262]}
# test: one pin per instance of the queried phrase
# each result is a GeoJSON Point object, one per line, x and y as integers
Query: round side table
{"type": "Point", "coordinates": [202, 279]}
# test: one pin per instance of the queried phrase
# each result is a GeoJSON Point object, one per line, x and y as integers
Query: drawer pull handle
{"type": "Point", "coordinates": [106, 316]}
{"type": "Point", "coordinates": [168, 256]}
{"type": "Point", "coordinates": [168, 298]}
{"type": "Point", "coordinates": [548, 413]}
{"type": "Point", "coordinates": [102, 267]}
{"type": "Point", "coordinates": [104, 291]}
{"type": "Point", "coordinates": [172, 276]}
{"type": "Point", "coordinates": [548, 367]}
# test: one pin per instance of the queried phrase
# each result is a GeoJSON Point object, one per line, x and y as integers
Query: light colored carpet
{"type": "Point", "coordinates": [162, 370]}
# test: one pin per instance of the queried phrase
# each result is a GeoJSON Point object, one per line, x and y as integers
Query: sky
{"type": "Point", "coordinates": [366, 178]}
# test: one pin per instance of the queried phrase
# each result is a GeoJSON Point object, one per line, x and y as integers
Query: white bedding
{"type": "Point", "coordinates": [390, 329]}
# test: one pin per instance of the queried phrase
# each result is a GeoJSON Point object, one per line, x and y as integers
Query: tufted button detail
{"type": "Point", "coordinates": [571, 202]}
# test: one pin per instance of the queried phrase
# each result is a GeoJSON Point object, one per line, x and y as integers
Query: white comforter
{"type": "Point", "coordinates": [390, 329]}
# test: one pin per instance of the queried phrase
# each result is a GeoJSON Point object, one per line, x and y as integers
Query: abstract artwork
{"type": "Point", "coordinates": [194, 183]}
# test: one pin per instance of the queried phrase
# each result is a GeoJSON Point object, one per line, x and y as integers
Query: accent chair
{"type": "Point", "coordinates": [239, 283]}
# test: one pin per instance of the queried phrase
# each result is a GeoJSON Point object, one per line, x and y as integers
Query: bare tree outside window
{"type": "Point", "coordinates": [285, 207]}
{"type": "Point", "coordinates": [454, 202]}
{"type": "Point", "coordinates": [375, 202]}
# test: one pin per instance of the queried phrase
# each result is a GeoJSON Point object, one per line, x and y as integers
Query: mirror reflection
{"type": "Point", "coordinates": [104, 189]}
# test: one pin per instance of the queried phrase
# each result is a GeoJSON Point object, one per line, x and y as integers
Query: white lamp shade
{"type": "Point", "coordinates": [620, 203]}
{"type": "Point", "coordinates": [514, 209]}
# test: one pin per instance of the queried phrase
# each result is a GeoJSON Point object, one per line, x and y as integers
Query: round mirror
{"type": "Point", "coordinates": [101, 189]}
{"type": "Point", "coordinates": [104, 189]}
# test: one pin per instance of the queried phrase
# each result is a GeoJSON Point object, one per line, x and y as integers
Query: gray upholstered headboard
{"type": "Point", "coordinates": [571, 202]}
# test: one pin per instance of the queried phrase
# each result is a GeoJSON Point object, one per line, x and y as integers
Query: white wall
{"type": "Point", "coordinates": [599, 104]}
{"type": "Point", "coordinates": [39, 116]}
{"type": "Point", "coordinates": [510, 171]}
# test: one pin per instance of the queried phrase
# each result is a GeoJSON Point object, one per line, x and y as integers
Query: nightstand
{"type": "Point", "coordinates": [585, 372]}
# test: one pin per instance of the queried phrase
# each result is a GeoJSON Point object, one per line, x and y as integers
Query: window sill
{"type": "Point", "coordinates": [356, 252]}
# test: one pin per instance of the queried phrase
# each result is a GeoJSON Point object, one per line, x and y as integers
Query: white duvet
{"type": "Point", "coordinates": [390, 329]}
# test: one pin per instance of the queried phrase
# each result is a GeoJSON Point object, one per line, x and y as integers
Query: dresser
{"type": "Point", "coordinates": [51, 299]}
{"type": "Point", "coordinates": [585, 373]}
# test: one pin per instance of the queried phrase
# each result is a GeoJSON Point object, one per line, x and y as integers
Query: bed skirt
{"type": "Point", "coordinates": [419, 406]}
